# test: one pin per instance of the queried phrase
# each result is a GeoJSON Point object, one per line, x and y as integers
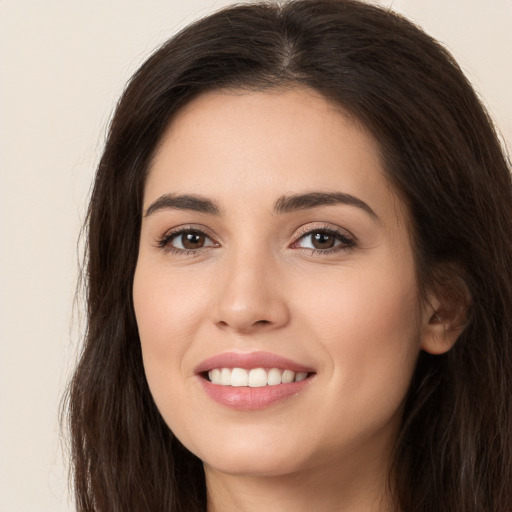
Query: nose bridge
{"type": "Point", "coordinates": [250, 293]}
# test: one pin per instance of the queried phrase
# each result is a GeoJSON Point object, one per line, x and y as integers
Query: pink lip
{"type": "Point", "coordinates": [251, 399]}
{"type": "Point", "coordinates": [246, 398]}
{"type": "Point", "coordinates": [249, 361]}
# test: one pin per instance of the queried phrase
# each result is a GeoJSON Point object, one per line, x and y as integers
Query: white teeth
{"type": "Point", "coordinates": [214, 375]}
{"type": "Point", "coordinates": [288, 376]}
{"type": "Point", "coordinates": [300, 376]}
{"type": "Point", "coordinates": [274, 377]}
{"type": "Point", "coordinates": [239, 377]}
{"type": "Point", "coordinates": [225, 377]}
{"type": "Point", "coordinates": [255, 378]}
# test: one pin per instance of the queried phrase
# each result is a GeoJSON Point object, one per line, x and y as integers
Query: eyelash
{"type": "Point", "coordinates": [346, 241]}
{"type": "Point", "coordinates": [165, 241]}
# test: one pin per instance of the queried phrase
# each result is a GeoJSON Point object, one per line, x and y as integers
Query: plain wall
{"type": "Point", "coordinates": [63, 65]}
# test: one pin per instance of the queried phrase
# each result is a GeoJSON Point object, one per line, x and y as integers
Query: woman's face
{"type": "Point", "coordinates": [273, 243]}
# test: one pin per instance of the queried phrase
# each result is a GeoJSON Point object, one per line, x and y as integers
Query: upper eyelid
{"type": "Point", "coordinates": [189, 227]}
{"type": "Point", "coordinates": [308, 229]}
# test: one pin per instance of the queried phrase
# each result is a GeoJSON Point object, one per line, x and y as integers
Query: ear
{"type": "Point", "coordinates": [445, 316]}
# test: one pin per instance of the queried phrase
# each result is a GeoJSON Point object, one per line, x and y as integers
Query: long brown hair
{"type": "Point", "coordinates": [442, 156]}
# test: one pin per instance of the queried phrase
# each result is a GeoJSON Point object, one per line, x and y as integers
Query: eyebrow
{"type": "Point", "coordinates": [183, 202]}
{"type": "Point", "coordinates": [285, 204]}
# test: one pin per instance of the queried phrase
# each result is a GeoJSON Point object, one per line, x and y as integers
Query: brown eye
{"type": "Point", "coordinates": [324, 240]}
{"type": "Point", "coordinates": [187, 240]}
{"type": "Point", "coordinates": [192, 240]}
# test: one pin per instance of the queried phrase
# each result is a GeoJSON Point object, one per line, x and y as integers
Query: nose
{"type": "Point", "coordinates": [252, 297]}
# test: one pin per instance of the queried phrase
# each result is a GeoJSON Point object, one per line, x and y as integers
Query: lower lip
{"type": "Point", "coordinates": [250, 399]}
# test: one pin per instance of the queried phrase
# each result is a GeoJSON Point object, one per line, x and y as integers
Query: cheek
{"type": "Point", "coordinates": [166, 310]}
{"type": "Point", "coordinates": [372, 305]}
{"type": "Point", "coordinates": [369, 328]}
{"type": "Point", "coordinates": [167, 320]}
{"type": "Point", "coordinates": [369, 337]}
{"type": "Point", "coordinates": [167, 315]}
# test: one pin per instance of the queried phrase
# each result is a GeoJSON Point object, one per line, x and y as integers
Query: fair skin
{"type": "Point", "coordinates": [231, 266]}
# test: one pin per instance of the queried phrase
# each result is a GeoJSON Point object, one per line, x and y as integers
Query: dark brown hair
{"type": "Point", "coordinates": [442, 156]}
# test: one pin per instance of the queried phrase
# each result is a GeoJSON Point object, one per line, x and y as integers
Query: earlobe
{"type": "Point", "coordinates": [439, 335]}
{"type": "Point", "coordinates": [445, 319]}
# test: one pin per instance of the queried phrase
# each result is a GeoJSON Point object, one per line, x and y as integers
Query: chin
{"type": "Point", "coordinates": [244, 465]}
{"type": "Point", "coordinates": [252, 456]}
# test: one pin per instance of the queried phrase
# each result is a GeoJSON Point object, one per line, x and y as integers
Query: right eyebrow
{"type": "Point", "coordinates": [183, 202]}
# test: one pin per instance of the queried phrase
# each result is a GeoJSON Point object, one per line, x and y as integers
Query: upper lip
{"type": "Point", "coordinates": [249, 361]}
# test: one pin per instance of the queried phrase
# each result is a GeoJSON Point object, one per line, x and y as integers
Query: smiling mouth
{"type": "Point", "coordinates": [254, 378]}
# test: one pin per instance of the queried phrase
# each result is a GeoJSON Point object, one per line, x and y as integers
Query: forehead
{"type": "Point", "coordinates": [233, 144]}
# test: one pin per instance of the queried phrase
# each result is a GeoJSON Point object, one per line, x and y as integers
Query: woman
{"type": "Point", "coordinates": [299, 284]}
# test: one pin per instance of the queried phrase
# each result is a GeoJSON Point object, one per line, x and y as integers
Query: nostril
{"type": "Point", "coordinates": [223, 324]}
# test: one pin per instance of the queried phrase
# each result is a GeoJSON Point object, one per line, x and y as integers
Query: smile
{"type": "Point", "coordinates": [255, 378]}
{"type": "Point", "coordinates": [252, 381]}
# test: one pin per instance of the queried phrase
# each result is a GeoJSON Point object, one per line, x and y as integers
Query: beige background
{"type": "Point", "coordinates": [63, 64]}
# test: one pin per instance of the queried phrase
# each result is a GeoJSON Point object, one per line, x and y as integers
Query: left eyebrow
{"type": "Point", "coordinates": [291, 203]}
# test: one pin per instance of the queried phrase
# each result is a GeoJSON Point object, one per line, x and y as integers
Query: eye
{"type": "Point", "coordinates": [186, 240]}
{"type": "Point", "coordinates": [324, 240]}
